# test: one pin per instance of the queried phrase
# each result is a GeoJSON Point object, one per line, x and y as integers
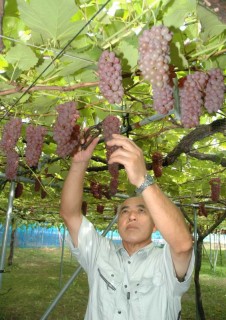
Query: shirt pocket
{"type": "Point", "coordinates": [155, 282]}
{"type": "Point", "coordinates": [108, 287]}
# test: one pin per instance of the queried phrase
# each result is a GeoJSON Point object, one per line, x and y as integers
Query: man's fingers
{"type": "Point", "coordinates": [121, 141]}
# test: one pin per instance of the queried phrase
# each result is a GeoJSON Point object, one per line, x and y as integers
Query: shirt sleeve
{"type": "Point", "coordinates": [88, 245]}
{"type": "Point", "coordinates": [179, 288]}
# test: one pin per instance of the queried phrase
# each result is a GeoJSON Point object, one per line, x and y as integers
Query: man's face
{"type": "Point", "coordinates": [135, 224]}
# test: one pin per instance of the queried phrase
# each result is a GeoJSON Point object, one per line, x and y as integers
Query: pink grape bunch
{"type": "Point", "coordinates": [111, 124]}
{"type": "Point", "coordinates": [12, 164]}
{"type": "Point", "coordinates": [154, 59]}
{"type": "Point", "coordinates": [214, 91]}
{"type": "Point", "coordinates": [215, 184]}
{"type": "Point", "coordinates": [34, 138]}
{"type": "Point", "coordinates": [191, 90]}
{"type": "Point", "coordinates": [10, 136]}
{"type": "Point", "coordinates": [66, 131]}
{"type": "Point", "coordinates": [110, 74]}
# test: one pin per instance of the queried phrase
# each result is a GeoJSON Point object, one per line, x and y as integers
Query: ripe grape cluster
{"type": "Point", "coordinates": [100, 208]}
{"type": "Point", "coordinates": [202, 210]}
{"type": "Point", "coordinates": [191, 98]}
{"type": "Point", "coordinates": [157, 160]}
{"type": "Point", "coordinates": [154, 59]}
{"type": "Point", "coordinates": [19, 190]}
{"type": "Point", "coordinates": [12, 163]}
{"type": "Point", "coordinates": [197, 90]}
{"type": "Point", "coordinates": [110, 74]}
{"type": "Point", "coordinates": [215, 184]}
{"type": "Point", "coordinates": [66, 132]}
{"type": "Point", "coordinates": [34, 138]}
{"type": "Point", "coordinates": [84, 208]}
{"type": "Point", "coordinates": [111, 124]}
{"type": "Point", "coordinates": [214, 91]}
{"type": "Point", "coordinates": [96, 189]}
{"type": "Point", "coordinates": [10, 136]}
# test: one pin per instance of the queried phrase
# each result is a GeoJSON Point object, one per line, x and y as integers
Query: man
{"type": "Point", "coordinates": [135, 281]}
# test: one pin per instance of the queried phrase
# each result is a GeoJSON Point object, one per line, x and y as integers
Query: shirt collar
{"type": "Point", "coordinates": [144, 250]}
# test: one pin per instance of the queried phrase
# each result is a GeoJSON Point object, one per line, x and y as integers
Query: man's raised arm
{"type": "Point", "coordinates": [72, 193]}
{"type": "Point", "coordinates": [167, 217]}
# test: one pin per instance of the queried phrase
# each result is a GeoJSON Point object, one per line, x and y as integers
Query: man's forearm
{"type": "Point", "coordinates": [167, 218]}
{"type": "Point", "coordinates": [71, 198]}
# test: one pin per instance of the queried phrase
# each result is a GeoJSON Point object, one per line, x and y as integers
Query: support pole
{"type": "Point", "coordinates": [70, 281]}
{"type": "Point", "coordinates": [6, 231]}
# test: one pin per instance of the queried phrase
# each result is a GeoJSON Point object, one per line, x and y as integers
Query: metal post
{"type": "Point", "coordinates": [62, 257]}
{"type": "Point", "coordinates": [195, 250]}
{"type": "Point", "coordinates": [6, 231]}
{"type": "Point", "coordinates": [70, 281]}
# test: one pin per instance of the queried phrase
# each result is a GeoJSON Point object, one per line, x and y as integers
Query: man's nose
{"type": "Point", "coordinates": [132, 215]}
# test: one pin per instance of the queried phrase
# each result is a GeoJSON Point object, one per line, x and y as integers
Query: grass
{"type": "Point", "coordinates": [32, 283]}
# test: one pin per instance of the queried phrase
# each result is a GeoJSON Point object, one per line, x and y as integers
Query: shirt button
{"type": "Point", "coordinates": [112, 275]}
{"type": "Point", "coordinates": [125, 286]}
{"type": "Point", "coordinates": [129, 262]}
{"type": "Point", "coordinates": [119, 312]}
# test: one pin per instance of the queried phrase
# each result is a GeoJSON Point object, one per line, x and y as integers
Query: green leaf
{"type": "Point", "coordinates": [22, 57]}
{"type": "Point", "coordinates": [128, 47]}
{"type": "Point", "coordinates": [178, 11]}
{"type": "Point", "coordinates": [51, 19]}
{"type": "Point", "coordinates": [211, 25]}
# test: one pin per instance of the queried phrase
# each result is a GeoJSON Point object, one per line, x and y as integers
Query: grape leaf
{"type": "Point", "coordinates": [51, 20]}
{"type": "Point", "coordinates": [211, 25]}
{"type": "Point", "coordinates": [22, 57]}
{"type": "Point", "coordinates": [177, 12]}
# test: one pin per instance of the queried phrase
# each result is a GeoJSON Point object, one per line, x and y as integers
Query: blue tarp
{"type": "Point", "coordinates": [35, 236]}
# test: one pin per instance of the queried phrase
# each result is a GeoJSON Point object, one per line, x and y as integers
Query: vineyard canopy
{"type": "Point", "coordinates": [49, 56]}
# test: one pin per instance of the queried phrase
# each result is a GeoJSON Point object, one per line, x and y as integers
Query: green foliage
{"type": "Point", "coordinates": [36, 31]}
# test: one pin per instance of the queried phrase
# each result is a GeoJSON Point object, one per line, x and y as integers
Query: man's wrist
{"type": "Point", "coordinates": [148, 181]}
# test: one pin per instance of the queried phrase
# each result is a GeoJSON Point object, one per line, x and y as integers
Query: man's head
{"type": "Point", "coordinates": [135, 224]}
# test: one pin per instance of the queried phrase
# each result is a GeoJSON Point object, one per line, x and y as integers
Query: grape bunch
{"type": "Point", "coordinates": [191, 90]}
{"type": "Point", "coordinates": [111, 124]}
{"type": "Point", "coordinates": [157, 160]}
{"type": "Point", "coordinates": [154, 59]}
{"type": "Point", "coordinates": [10, 136]}
{"type": "Point", "coordinates": [215, 184]}
{"type": "Point", "coordinates": [214, 91]}
{"type": "Point", "coordinates": [12, 163]}
{"type": "Point", "coordinates": [66, 132]}
{"type": "Point", "coordinates": [34, 139]}
{"type": "Point", "coordinates": [110, 74]}
{"type": "Point", "coordinates": [100, 208]}
{"type": "Point", "coordinates": [96, 189]}
{"type": "Point", "coordinates": [202, 210]}
{"type": "Point", "coordinates": [19, 190]}
{"type": "Point", "coordinates": [84, 208]}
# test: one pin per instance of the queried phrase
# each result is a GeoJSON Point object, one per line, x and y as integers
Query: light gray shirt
{"type": "Point", "coordinates": [122, 287]}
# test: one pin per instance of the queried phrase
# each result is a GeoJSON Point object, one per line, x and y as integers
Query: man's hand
{"type": "Point", "coordinates": [129, 155]}
{"type": "Point", "coordinates": [84, 155]}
